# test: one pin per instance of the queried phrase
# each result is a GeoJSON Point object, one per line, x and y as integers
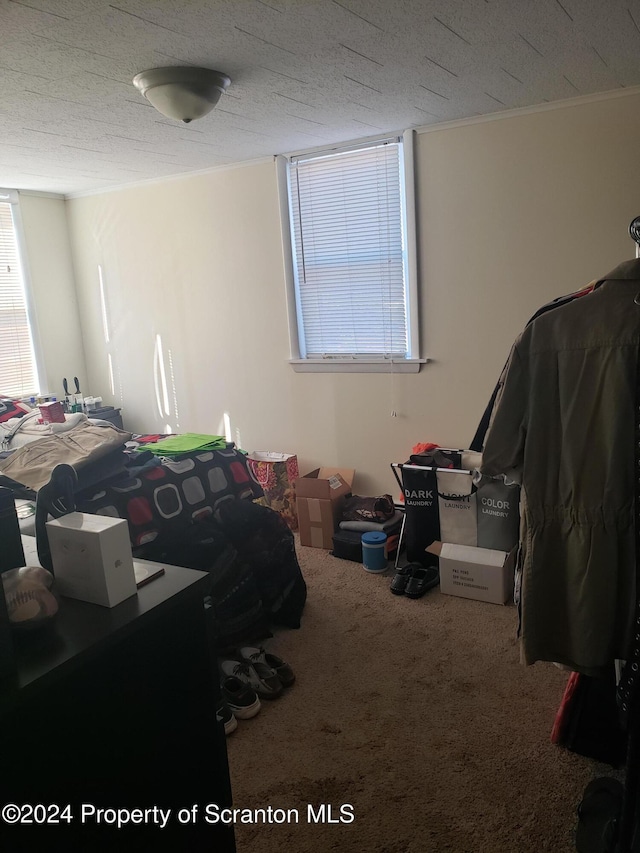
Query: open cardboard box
{"type": "Point", "coordinates": [479, 573]}
{"type": "Point", "coordinates": [319, 498]}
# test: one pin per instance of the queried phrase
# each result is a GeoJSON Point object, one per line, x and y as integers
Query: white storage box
{"type": "Point", "coordinates": [92, 558]}
{"type": "Point", "coordinates": [479, 573]}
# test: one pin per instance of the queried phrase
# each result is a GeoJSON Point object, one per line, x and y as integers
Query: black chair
{"type": "Point", "coordinates": [54, 500]}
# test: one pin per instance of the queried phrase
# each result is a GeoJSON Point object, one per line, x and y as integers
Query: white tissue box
{"type": "Point", "coordinates": [92, 558]}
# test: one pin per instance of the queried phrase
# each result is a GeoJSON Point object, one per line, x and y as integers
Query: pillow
{"type": "Point", "coordinates": [11, 408]}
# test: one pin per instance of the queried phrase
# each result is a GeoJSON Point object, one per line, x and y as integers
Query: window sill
{"type": "Point", "coordinates": [334, 365]}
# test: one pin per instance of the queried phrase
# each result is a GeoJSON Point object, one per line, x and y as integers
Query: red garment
{"type": "Point", "coordinates": [424, 447]}
{"type": "Point", "coordinates": [563, 715]}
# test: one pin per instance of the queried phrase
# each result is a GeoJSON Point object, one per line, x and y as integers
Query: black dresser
{"type": "Point", "coordinates": [114, 709]}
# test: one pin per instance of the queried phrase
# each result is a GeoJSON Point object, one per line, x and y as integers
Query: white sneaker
{"type": "Point", "coordinates": [259, 655]}
{"type": "Point", "coordinates": [261, 678]}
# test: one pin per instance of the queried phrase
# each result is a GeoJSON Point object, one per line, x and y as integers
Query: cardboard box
{"type": "Point", "coordinates": [479, 573]}
{"type": "Point", "coordinates": [319, 497]}
{"type": "Point", "coordinates": [92, 558]}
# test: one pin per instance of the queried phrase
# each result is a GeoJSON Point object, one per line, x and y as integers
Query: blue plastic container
{"type": "Point", "coordinates": [374, 558]}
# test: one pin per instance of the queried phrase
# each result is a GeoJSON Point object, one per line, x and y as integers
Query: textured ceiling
{"type": "Point", "coordinates": [303, 74]}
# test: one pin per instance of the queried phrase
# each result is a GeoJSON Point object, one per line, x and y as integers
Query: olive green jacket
{"type": "Point", "coordinates": [564, 425]}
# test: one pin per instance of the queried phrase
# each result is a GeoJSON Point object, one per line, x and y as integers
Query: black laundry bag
{"type": "Point", "coordinates": [592, 727]}
{"type": "Point", "coordinates": [422, 526]}
{"type": "Point", "coordinates": [264, 541]}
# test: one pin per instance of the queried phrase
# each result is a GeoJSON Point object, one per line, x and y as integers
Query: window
{"type": "Point", "coordinates": [350, 252]}
{"type": "Point", "coordinates": [18, 371]}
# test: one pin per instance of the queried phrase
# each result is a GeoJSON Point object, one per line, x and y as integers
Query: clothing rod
{"type": "Point", "coordinates": [402, 465]}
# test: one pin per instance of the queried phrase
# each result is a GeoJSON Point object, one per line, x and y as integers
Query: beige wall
{"type": "Point", "coordinates": [511, 213]}
{"type": "Point", "coordinates": [47, 256]}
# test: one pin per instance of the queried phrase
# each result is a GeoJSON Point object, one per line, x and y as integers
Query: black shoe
{"type": "Point", "coordinates": [241, 699]}
{"type": "Point", "coordinates": [401, 578]}
{"type": "Point", "coordinates": [421, 580]}
{"type": "Point", "coordinates": [225, 715]}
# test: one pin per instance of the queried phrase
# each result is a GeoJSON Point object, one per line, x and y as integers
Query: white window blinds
{"type": "Point", "coordinates": [349, 252]}
{"type": "Point", "coordinates": [18, 376]}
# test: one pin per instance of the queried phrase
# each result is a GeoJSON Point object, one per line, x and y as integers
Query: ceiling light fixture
{"type": "Point", "coordinates": [182, 92]}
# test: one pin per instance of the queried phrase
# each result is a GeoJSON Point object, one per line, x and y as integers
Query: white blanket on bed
{"type": "Point", "coordinates": [16, 432]}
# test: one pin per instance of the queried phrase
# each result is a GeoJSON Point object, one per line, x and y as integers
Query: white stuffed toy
{"type": "Point", "coordinates": [27, 591]}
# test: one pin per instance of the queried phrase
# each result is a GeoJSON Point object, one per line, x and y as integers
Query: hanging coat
{"type": "Point", "coordinates": [564, 426]}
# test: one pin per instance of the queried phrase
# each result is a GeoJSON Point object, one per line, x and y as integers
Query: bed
{"type": "Point", "coordinates": [196, 510]}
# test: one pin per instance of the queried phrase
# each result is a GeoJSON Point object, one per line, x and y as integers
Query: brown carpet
{"type": "Point", "coordinates": [418, 714]}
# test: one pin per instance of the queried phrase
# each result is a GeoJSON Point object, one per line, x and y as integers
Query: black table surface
{"type": "Point", "coordinates": [81, 630]}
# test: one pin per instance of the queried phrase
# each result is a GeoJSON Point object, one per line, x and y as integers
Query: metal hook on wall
{"type": "Point", "coordinates": [634, 231]}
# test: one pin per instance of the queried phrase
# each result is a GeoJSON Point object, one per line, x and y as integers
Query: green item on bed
{"type": "Point", "coordinates": [187, 442]}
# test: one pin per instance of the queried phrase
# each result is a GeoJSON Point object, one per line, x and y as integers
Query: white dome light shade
{"type": "Point", "coordinates": [182, 92]}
